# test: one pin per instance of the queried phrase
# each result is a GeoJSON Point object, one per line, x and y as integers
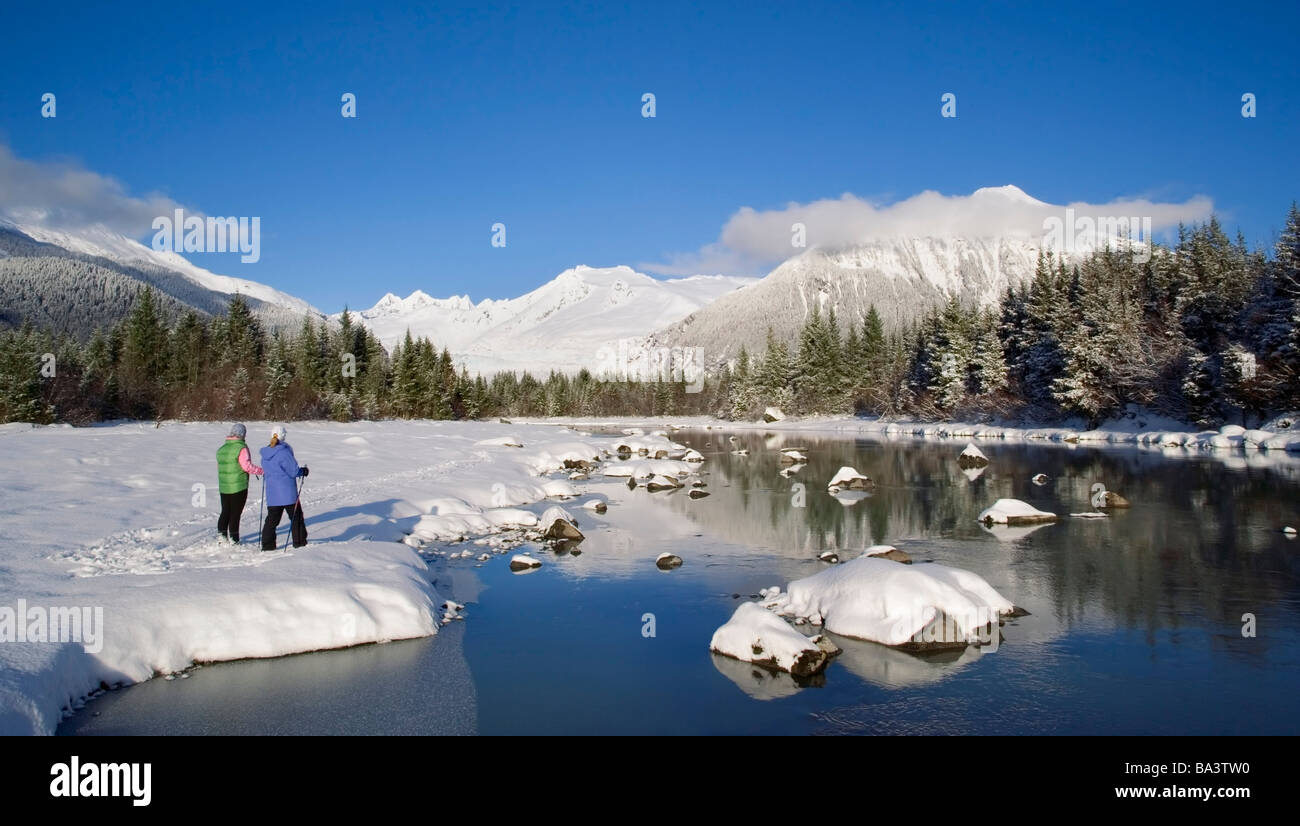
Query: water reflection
{"type": "Point", "coordinates": [1200, 546]}
{"type": "Point", "coordinates": [892, 668]}
{"type": "Point", "coordinates": [758, 683]}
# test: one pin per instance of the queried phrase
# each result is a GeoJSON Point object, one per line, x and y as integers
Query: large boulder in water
{"type": "Point", "coordinates": [927, 606]}
{"type": "Point", "coordinates": [756, 635]}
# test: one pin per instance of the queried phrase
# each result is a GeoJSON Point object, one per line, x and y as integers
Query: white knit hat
{"type": "Point", "coordinates": [279, 432]}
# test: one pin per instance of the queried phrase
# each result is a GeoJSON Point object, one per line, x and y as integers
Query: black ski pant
{"type": "Point", "coordinates": [232, 507]}
{"type": "Point", "coordinates": [297, 525]}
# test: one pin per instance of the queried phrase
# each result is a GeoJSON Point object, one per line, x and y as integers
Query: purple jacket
{"type": "Point", "coordinates": [280, 470]}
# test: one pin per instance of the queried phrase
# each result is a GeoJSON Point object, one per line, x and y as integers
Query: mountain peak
{"type": "Point", "coordinates": [1009, 192]}
{"type": "Point", "coordinates": [573, 320]}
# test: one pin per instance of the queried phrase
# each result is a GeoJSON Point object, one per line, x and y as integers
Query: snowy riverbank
{"type": "Point", "coordinates": [119, 520]}
{"type": "Point", "coordinates": [1276, 442]}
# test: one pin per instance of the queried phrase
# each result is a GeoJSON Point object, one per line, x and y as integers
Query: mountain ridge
{"type": "Point", "coordinates": [576, 319]}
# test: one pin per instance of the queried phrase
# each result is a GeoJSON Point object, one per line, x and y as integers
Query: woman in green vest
{"type": "Point", "coordinates": [234, 464]}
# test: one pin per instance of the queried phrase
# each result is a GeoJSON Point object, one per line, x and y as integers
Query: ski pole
{"type": "Point", "coordinates": [297, 510]}
{"type": "Point", "coordinates": [261, 504]}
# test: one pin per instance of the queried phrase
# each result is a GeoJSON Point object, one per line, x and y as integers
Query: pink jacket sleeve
{"type": "Point", "coordinates": [247, 464]}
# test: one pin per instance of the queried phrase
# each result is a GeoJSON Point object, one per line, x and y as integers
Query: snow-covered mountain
{"type": "Point", "coordinates": [79, 281]}
{"type": "Point", "coordinates": [901, 277]}
{"type": "Point", "coordinates": [100, 242]}
{"type": "Point", "coordinates": [566, 324]}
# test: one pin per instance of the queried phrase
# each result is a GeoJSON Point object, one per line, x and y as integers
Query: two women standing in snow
{"type": "Point", "coordinates": [233, 468]}
{"type": "Point", "coordinates": [281, 475]}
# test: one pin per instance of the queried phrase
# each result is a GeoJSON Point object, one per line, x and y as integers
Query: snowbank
{"type": "Point", "coordinates": [333, 597]}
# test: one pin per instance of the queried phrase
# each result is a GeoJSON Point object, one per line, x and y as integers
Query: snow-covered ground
{"type": "Point", "coordinates": [120, 520]}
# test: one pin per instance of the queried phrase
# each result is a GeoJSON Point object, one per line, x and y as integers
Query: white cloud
{"type": "Point", "coordinates": [753, 241]}
{"type": "Point", "coordinates": [62, 195]}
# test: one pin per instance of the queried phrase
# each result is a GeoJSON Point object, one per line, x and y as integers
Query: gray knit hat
{"type": "Point", "coordinates": [238, 431]}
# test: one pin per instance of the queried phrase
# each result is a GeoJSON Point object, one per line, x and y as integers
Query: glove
{"type": "Point", "coordinates": [302, 471]}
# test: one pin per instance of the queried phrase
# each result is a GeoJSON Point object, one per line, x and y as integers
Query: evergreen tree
{"type": "Point", "coordinates": [144, 348]}
{"type": "Point", "coordinates": [774, 375]}
{"type": "Point", "coordinates": [988, 364]}
{"type": "Point", "coordinates": [277, 379]}
{"type": "Point", "coordinates": [21, 397]}
{"type": "Point", "coordinates": [187, 352]}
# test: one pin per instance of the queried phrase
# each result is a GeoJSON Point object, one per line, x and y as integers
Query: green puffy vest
{"type": "Point", "coordinates": [230, 475]}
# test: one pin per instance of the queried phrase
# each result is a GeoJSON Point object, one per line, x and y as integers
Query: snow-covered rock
{"type": "Point", "coordinates": [906, 605]}
{"type": "Point", "coordinates": [888, 552]}
{"type": "Point", "coordinates": [524, 562]}
{"type": "Point", "coordinates": [758, 636]}
{"type": "Point", "coordinates": [773, 414]}
{"type": "Point", "coordinates": [666, 562]}
{"type": "Point", "coordinates": [1014, 512]}
{"type": "Point", "coordinates": [560, 524]}
{"type": "Point", "coordinates": [972, 457]}
{"type": "Point", "coordinates": [659, 482]}
{"type": "Point", "coordinates": [847, 478]}
{"type": "Point", "coordinates": [1102, 499]}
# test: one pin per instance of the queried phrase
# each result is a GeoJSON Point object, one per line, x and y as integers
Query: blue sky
{"type": "Point", "coordinates": [531, 115]}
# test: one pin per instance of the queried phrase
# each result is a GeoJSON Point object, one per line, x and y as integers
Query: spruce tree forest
{"type": "Point", "coordinates": [1205, 331]}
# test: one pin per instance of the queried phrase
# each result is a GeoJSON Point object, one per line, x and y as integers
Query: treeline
{"type": "Point", "coordinates": [229, 367]}
{"type": "Point", "coordinates": [1206, 332]}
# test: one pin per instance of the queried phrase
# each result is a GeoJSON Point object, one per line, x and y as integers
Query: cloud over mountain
{"type": "Point", "coordinates": [64, 195]}
{"type": "Point", "coordinates": [755, 240]}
